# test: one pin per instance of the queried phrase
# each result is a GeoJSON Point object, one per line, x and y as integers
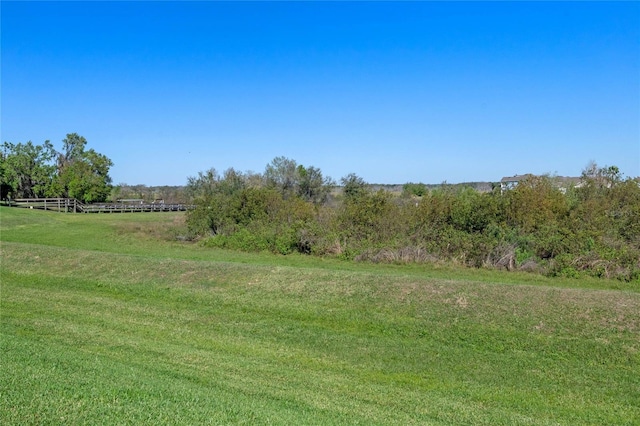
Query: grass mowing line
{"type": "Point", "coordinates": [133, 394]}
{"type": "Point", "coordinates": [292, 328]}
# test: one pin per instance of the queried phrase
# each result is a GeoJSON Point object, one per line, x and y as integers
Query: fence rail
{"type": "Point", "coordinates": [71, 205]}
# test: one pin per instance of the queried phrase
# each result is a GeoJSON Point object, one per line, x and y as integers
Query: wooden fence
{"type": "Point", "coordinates": [71, 205]}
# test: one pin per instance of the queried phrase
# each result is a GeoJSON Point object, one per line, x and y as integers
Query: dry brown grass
{"type": "Point", "coordinates": [402, 255]}
{"type": "Point", "coordinates": [168, 228]}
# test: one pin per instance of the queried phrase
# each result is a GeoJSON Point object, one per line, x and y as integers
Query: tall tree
{"type": "Point", "coordinates": [82, 174]}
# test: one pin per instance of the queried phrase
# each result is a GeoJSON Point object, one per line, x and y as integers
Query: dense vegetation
{"type": "Point", "coordinates": [33, 171]}
{"type": "Point", "coordinates": [105, 319]}
{"type": "Point", "coordinates": [591, 228]}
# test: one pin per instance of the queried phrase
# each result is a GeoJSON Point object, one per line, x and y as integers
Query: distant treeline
{"type": "Point", "coordinates": [592, 227]}
{"type": "Point", "coordinates": [181, 194]}
{"type": "Point", "coordinates": [165, 193]}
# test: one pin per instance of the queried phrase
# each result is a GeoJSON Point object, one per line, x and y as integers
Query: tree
{"type": "Point", "coordinates": [282, 174]}
{"type": "Point", "coordinates": [209, 183]}
{"type": "Point", "coordinates": [27, 170]}
{"type": "Point", "coordinates": [598, 178]}
{"type": "Point", "coordinates": [291, 179]}
{"type": "Point", "coordinates": [216, 199]}
{"type": "Point", "coordinates": [353, 186]}
{"type": "Point", "coordinates": [82, 174]}
{"type": "Point", "coordinates": [232, 182]}
{"type": "Point", "coordinates": [312, 185]}
{"type": "Point", "coordinates": [204, 185]}
{"type": "Point", "coordinates": [72, 149]}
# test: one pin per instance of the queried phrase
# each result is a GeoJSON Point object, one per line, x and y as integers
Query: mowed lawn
{"type": "Point", "coordinates": [106, 319]}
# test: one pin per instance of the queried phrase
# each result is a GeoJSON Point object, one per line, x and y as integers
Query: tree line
{"type": "Point", "coordinates": [589, 228]}
{"type": "Point", "coordinates": [28, 170]}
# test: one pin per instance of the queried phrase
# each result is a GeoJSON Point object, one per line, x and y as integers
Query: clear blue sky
{"type": "Point", "coordinates": [394, 92]}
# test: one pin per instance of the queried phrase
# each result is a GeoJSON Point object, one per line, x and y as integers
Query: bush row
{"type": "Point", "coordinates": [592, 228]}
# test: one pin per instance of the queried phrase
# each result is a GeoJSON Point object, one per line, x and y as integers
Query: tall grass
{"type": "Point", "coordinates": [104, 320]}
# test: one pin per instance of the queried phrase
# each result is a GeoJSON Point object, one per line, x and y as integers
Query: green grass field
{"type": "Point", "coordinates": [105, 320]}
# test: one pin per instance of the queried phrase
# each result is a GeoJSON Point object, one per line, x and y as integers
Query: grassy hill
{"type": "Point", "coordinates": [107, 319]}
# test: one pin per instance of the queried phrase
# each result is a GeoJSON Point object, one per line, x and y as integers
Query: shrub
{"type": "Point", "coordinates": [592, 230]}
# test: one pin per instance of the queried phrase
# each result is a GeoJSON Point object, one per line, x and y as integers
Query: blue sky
{"type": "Point", "coordinates": [394, 92]}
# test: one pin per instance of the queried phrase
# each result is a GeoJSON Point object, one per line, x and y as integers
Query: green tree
{"type": "Point", "coordinates": [232, 182]}
{"type": "Point", "coordinates": [312, 185]}
{"type": "Point", "coordinates": [291, 179]}
{"type": "Point", "coordinates": [216, 199]}
{"type": "Point", "coordinates": [282, 174]}
{"type": "Point", "coordinates": [353, 186]}
{"type": "Point", "coordinates": [204, 185]}
{"type": "Point", "coordinates": [27, 170]}
{"type": "Point", "coordinates": [82, 174]}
